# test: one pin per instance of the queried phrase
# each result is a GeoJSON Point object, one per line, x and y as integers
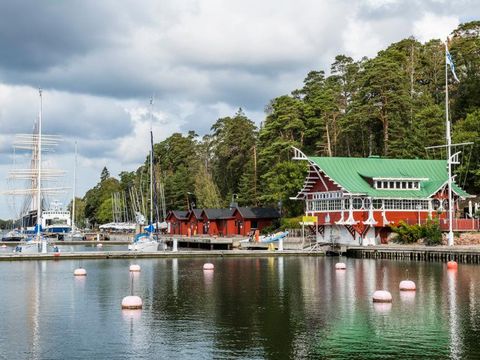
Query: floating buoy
{"type": "Point", "coordinates": [340, 266]}
{"type": "Point", "coordinates": [452, 265]}
{"type": "Point", "coordinates": [135, 268]}
{"type": "Point", "coordinates": [407, 285]}
{"type": "Point", "coordinates": [99, 245]}
{"type": "Point", "coordinates": [80, 272]}
{"type": "Point", "coordinates": [208, 266]}
{"type": "Point", "coordinates": [132, 302]}
{"type": "Point", "coordinates": [4, 246]}
{"type": "Point", "coordinates": [57, 254]}
{"type": "Point", "coordinates": [382, 296]}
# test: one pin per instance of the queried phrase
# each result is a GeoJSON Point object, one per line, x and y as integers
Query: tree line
{"type": "Point", "coordinates": [392, 105]}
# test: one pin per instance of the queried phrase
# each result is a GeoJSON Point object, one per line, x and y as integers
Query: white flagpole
{"type": "Point", "coordinates": [449, 154]}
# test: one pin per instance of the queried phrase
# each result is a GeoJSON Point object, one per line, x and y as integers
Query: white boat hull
{"type": "Point", "coordinates": [144, 246]}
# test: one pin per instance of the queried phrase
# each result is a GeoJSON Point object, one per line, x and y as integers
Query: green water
{"type": "Point", "coordinates": [249, 308]}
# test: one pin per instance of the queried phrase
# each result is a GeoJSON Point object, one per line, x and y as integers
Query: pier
{"type": "Point", "coordinates": [158, 254]}
{"type": "Point", "coordinates": [460, 254]}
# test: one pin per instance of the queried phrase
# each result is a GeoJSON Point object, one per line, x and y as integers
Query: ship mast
{"type": "Point", "coordinates": [39, 177]}
{"type": "Point", "coordinates": [151, 166]}
{"type": "Point", "coordinates": [74, 187]}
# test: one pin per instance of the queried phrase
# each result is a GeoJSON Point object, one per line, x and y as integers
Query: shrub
{"type": "Point", "coordinates": [409, 234]}
{"type": "Point", "coordinates": [291, 223]}
{"type": "Point", "coordinates": [432, 232]}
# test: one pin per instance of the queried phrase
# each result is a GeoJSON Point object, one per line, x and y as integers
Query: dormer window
{"type": "Point", "coordinates": [397, 184]}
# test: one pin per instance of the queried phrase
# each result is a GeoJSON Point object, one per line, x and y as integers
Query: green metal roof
{"type": "Point", "coordinates": [352, 175]}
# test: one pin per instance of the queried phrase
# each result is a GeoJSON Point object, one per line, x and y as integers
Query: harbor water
{"type": "Point", "coordinates": [247, 308]}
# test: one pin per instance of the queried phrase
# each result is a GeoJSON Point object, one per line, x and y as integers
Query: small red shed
{"type": "Point", "coordinates": [248, 219]}
{"type": "Point", "coordinates": [219, 222]}
{"type": "Point", "coordinates": [177, 222]}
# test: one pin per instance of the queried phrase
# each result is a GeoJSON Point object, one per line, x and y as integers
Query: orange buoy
{"type": "Point", "coordinates": [382, 296]}
{"type": "Point", "coordinates": [340, 266]}
{"type": "Point", "coordinates": [132, 302]}
{"type": "Point", "coordinates": [452, 265]}
{"type": "Point", "coordinates": [208, 266]}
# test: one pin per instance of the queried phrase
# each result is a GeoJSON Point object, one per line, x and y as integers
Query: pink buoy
{"type": "Point", "coordinates": [382, 296]}
{"type": "Point", "coordinates": [4, 246]}
{"type": "Point", "coordinates": [407, 285]}
{"type": "Point", "coordinates": [80, 272]}
{"type": "Point", "coordinates": [208, 266]}
{"type": "Point", "coordinates": [452, 265]}
{"type": "Point", "coordinates": [100, 245]}
{"type": "Point", "coordinates": [135, 268]}
{"type": "Point", "coordinates": [340, 266]}
{"type": "Point", "coordinates": [132, 302]}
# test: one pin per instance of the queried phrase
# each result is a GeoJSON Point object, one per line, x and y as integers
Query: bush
{"type": "Point", "coordinates": [432, 232]}
{"type": "Point", "coordinates": [409, 234]}
{"type": "Point", "coordinates": [291, 223]}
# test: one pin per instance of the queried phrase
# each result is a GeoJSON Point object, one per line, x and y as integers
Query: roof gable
{"type": "Point", "coordinates": [178, 214]}
{"type": "Point", "coordinates": [197, 213]}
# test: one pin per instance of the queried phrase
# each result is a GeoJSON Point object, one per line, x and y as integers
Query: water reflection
{"type": "Point", "coordinates": [276, 308]}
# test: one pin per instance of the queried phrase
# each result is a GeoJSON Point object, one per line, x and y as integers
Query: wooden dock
{"type": "Point", "coordinates": [158, 254]}
{"type": "Point", "coordinates": [203, 242]}
{"type": "Point", "coordinates": [461, 254]}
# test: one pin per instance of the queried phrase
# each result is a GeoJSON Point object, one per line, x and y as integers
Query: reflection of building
{"type": "Point", "coordinates": [221, 222]}
{"type": "Point", "coordinates": [355, 199]}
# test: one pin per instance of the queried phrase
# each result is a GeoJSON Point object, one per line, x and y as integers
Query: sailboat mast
{"type": "Point", "coordinates": [151, 165]}
{"type": "Point", "coordinates": [449, 154]}
{"type": "Point", "coordinates": [74, 187]}
{"type": "Point", "coordinates": [39, 168]}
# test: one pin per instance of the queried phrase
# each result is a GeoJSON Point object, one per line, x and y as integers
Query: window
{"type": "Point", "coordinates": [397, 185]}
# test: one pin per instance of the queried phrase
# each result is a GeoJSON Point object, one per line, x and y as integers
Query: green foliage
{"type": "Point", "coordinates": [232, 142]}
{"type": "Point", "coordinates": [281, 182]}
{"type": "Point", "coordinates": [409, 234]}
{"type": "Point", "coordinates": [206, 190]}
{"type": "Point", "coordinates": [432, 233]}
{"type": "Point", "coordinates": [96, 200]}
{"type": "Point", "coordinates": [291, 223]}
{"type": "Point", "coordinates": [80, 220]}
{"type": "Point", "coordinates": [105, 174]}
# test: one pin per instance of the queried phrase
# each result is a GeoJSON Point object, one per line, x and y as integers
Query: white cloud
{"type": "Point", "coordinates": [433, 26]}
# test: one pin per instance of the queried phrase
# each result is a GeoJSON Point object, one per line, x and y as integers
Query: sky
{"type": "Point", "coordinates": [100, 62]}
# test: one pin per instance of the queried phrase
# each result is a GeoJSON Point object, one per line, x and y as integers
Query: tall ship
{"type": "Point", "coordinates": [34, 186]}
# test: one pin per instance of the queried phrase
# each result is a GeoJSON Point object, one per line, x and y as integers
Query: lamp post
{"type": "Point", "coordinates": [419, 207]}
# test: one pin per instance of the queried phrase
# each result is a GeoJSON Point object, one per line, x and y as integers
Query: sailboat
{"type": "Point", "coordinates": [147, 241]}
{"type": "Point", "coordinates": [75, 234]}
{"type": "Point", "coordinates": [33, 220]}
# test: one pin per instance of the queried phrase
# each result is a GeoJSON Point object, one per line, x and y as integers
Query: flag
{"type": "Point", "coordinates": [452, 65]}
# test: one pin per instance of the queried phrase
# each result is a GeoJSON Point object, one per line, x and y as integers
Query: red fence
{"type": "Point", "coordinates": [458, 224]}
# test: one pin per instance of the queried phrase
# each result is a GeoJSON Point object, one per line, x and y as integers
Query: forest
{"type": "Point", "coordinates": [391, 105]}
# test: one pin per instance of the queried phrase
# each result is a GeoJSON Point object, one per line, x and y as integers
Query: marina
{"type": "Point", "coordinates": [253, 307]}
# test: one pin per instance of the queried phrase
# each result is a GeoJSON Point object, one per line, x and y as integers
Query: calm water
{"type": "Point", "coordinates": [253, 308]}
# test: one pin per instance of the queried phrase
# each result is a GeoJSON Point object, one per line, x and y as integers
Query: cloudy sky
{"type": "Point", "coordinates": [99, 62]}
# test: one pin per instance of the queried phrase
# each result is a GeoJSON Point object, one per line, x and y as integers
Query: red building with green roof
{"type": "Point", "coordinates": [355, 199]}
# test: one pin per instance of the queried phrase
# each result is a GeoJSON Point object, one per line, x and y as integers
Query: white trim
{"type": "Point", "coordinates": [399, 179]}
